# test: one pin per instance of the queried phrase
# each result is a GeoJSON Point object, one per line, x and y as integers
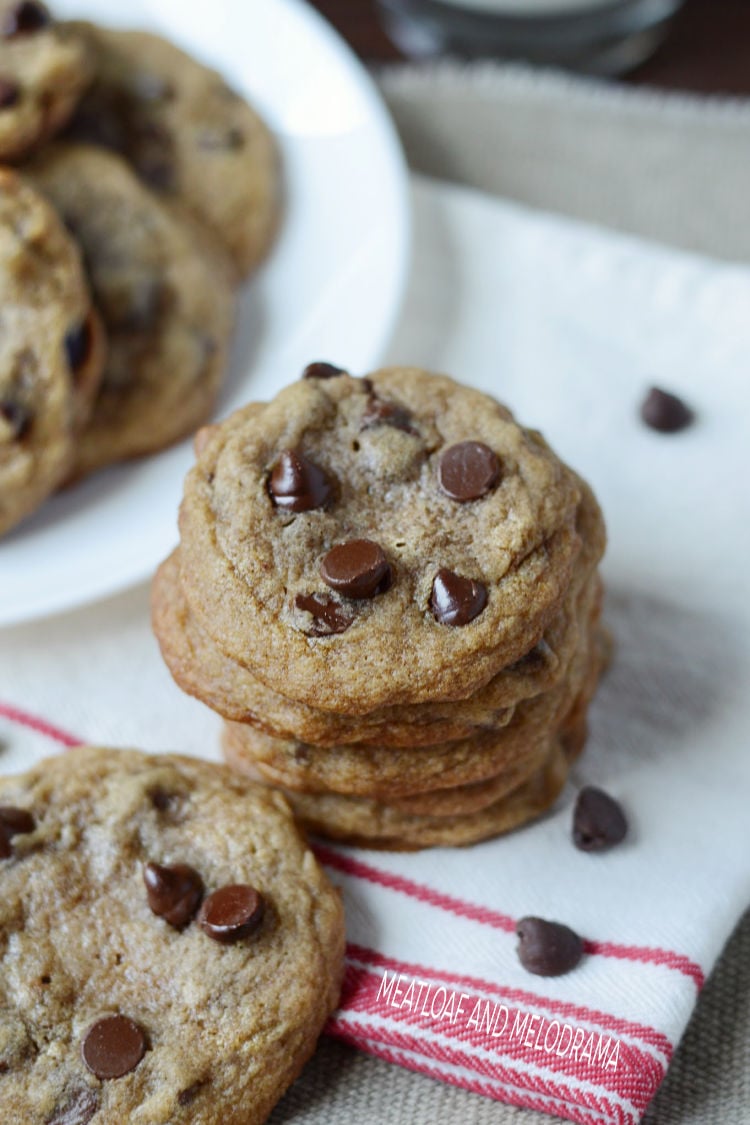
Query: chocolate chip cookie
{"type": "Point", "coordinates": [164, 291]}
{"type": "Point", "coordinates": [187, 134]}
{"type": "Point", "coordinates": [363, 543]}
{"type": "Point", "coordinates": [170, 948]}
{"type": "Point", "coordinates": [51, 349]}
{"type": "Point", "coordinates": [45, 67]}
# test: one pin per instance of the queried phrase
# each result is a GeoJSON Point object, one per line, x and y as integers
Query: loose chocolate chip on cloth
{"type": "Point", "coordinates": [108, 1010]}
{"type": "Point", "coordinates": [665, 412]}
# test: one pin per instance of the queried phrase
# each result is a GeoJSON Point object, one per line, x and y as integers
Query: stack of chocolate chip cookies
{"type": "Point", "coordinates": [389, 590]}
{"type": "Point", "coordinates": [147, 190]}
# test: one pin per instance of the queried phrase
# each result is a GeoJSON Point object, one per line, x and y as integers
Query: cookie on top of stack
{"type": "Point", "coordinates": [168, 184]}
{"type": "Point", "coordinates": [389, 590]}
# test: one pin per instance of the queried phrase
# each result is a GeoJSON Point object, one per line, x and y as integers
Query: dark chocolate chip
{"type": "Point", "coordinates": [25, 18]}
{"type": "Point", "coordinates": [10, 92]}
{"type": "Point", "coordinates": [113, 1046]}
{"type": "Point", "coordinates": [174, 893]}
{"type": "Point", "coordinates": [16, 416]}
{"type": "Point", "coordinates": [455, 600]}
{"type": "Point", "coordinates": [468, 470]}
{"type": "Point", "coordinates": [381, 412]}
{"type": "Point", "coordinates": [189, 1094]}
{"type": "Point", "coordinates": [548, 949]}
{"type": "Point", "coordinates": [297, 484]}
{"type": "Point", "coordinates": [598, 821]}
{"type": "Point", "coordinates": [231, 913]}
{"type": "Point", "coordinates": [321, 370]}
{"type": "Point", "coordinates": [78, 345]}
{"type": "Point", "coordinates": [78, 1109]}
{"type": "Point", "coordinates": [665, 412]}
{"type": "Point", "coordinates": [328, 616]}
{"type": "Point", "coordinates": [13, 822]}
{"type": "Point", "coordinates": [356, 569]}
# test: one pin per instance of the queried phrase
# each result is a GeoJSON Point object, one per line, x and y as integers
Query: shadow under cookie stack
{"type": "Point", "coordinates": [389, 591]}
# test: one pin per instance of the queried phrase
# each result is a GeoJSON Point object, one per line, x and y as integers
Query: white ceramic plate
{"type": "Point", "coordinates": [331, 289]}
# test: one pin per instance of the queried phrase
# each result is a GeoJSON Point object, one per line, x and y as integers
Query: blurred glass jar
{"type": "Point", "coordinates": [593, 36]}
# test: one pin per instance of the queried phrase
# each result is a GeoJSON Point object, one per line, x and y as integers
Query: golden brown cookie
{"type": "Point", "coordinates": [170, 947]}
{"type": "Point", "coordinates": [45, 67]}
{"type": "Point", "coordinates": [187, 135]}
{"type": "Point", "coordinates": [164, 291]}
{"type": "Point", "coordinates": [51, 349]}
{"type": "Point", "coordinates": [370, 542]}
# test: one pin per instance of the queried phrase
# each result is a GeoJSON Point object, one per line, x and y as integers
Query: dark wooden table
{"type": "Point", "coordinates": [708, 49]}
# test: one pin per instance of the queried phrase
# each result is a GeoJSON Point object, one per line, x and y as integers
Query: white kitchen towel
{"type": "Point", "coordinates": [569, 325]}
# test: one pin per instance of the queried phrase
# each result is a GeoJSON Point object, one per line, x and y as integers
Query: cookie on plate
{"type": "Point", "coordinates": [164, 291]}
{"type": "Point", "coordinates": [45, 67]}
{"type": "Point", "coordinates": [170, 947]}
{"type": "Point", "coordinates": [186, 133]}
{"type": "Point", "coordinates": [370, 542]}
{"type": "Point", "coordinates": [51, 349]}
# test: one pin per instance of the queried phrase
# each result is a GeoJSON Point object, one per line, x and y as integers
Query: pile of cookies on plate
{"type": "Point", "coordinates": [143, 191]}
{"type": "Point", "coordinates": [389, 590]}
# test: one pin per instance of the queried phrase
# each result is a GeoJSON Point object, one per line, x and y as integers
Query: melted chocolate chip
{"type": "Point", "coordinates": [357, 569]}
{"type": "Point", "coordinates": [25, 18]}
{"type": "Point", "coordinates": [665, 412]}
{"type": "Point", "coordinates": [322, 370]}
{"type": "Point", "coordinates": [10, 92]}
{"type": "Point", "coordinates": [16, 416]}
{"type": "Point", "coordinates": [598, 821]}
{"type": "Point", "coordinates": [297, 484]}
{"type": "Point", "coordinates": [456, 600]}
{"type": "Point", "coordinates": [548, 949]}
{"type": "Point", "coordinates": [78, 345]}
{"type": "Point", "coordinates": [78, 1110]}
{"type": "Point", "coordinates": [328, 615]}
{"type": "Point", "coordinates": [174, 893]}
{"type": "Point", "coordinates": [381, 412]}
{"type": "Point", "coordinates": [113, 1046]}
{"type": "Point", "coordinates": [13, 822]}
{"type": "Point", "coordinates": [231, 913]}
{"type": "Point", "coordinates": [468, 470]}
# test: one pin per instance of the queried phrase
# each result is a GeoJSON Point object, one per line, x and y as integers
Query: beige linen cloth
{"type": "Point", "coordinates": [674, 169]}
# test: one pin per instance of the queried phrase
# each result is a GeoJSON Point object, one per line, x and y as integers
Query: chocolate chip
{"type": "Point", "coordinates": [665, 412]}
{"type": "Point", "coordinates": [357, 569]}
{"type": "Point", "coordinates": [598, 821]}
{"type": "Point", "coordinates": [13, 822]}
{"type": "Point", "coordinates": [25, 18]}
{"type": "Point", "coordinates": [231, 913]}
{"type": "Point", "coordinates": [297, 484]}
{"type": "Point", "coordinates": [468, 470]}
{"type": "Point", "coordinates": [113, 1046]}
{"type": "Point", "coordinates": [78, 345]}
{"type": "Point", "coordinates": [10, 92]}
{"type": "Point", "coordinates": [322, 370]}
{"type": "Point", "coordinates": [382, 412]}
{"type": "Point", "coordinates": [78, 1110]}
{"type": "Point", "coordinates": [16, 416]}
{"type": "Point", "coordinates": [328, 616]}
{"type": "Point", "coordinates": [174, 893]}
{"type": "Point", "coordinates": [455, 600]}
{"type": "Point", "coordinates": [548, 949]}
{"type": "Point", "coordinates": [189, 1094]}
